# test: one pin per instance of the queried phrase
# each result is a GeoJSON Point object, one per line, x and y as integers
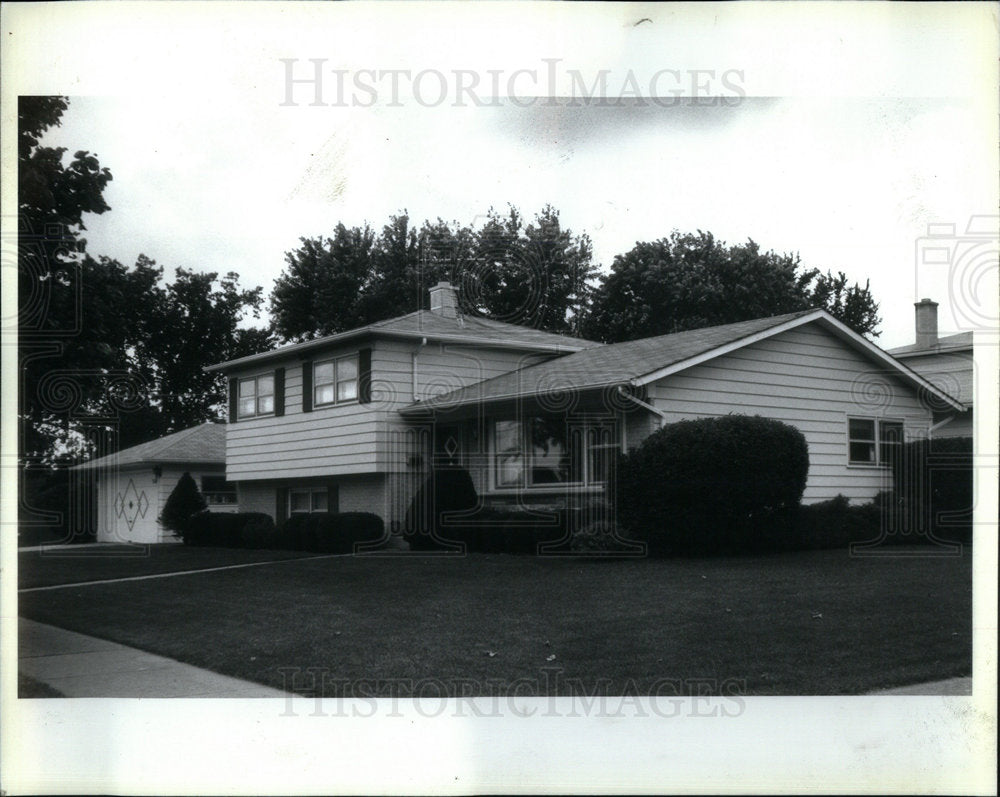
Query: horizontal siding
{"type": "Point", "coordinates": [954, 373]}
{"type": "Point", "coordinates": [327, 441]}
{"type": "Point", "coordinates": [440, 368]}
{"type": "Point", "coordinates": [807, 378]}
{"type": "Point", "coordinates": [356, 438]}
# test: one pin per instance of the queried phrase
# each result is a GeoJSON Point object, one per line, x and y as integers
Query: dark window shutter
{"type": "Point", "coordinates": [365, 376]}
{"type": "Point", "coordinates": [279, 391]}
{"type": "Point", "coordinates": [234, 405]}
{"type": "Point", "coordinates": [307, 386]}
{"type": "Point", "coordinates": [280, 505]}
{"type": "Point", "coordinates": [332, 497]}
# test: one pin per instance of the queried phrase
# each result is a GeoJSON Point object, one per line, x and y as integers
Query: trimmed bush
{"type": "Point", "coordinates": [294, 533]}
{"type": "Point", "coordinates": [934, 486]}
{"type": "Point", "coordinates": [222, 529]}
{"type": "Point", "coordinates": [447, 490]}
{"type": "Point", "coordinates": [711, 485]}
{"type": "Point", "coordinates": [511, 530]}
{"type": "Point", "coordinates": [259, 531]}
{"type": "Point", "coordinates": [599, 537]}
{"type": "Point", "coordinates": [184, 501]}
{"type": "Point", "coordinates": [339, 533]}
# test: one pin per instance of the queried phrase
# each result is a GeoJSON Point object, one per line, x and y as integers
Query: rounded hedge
{"type": "Point", "coordinates": [708, 485]}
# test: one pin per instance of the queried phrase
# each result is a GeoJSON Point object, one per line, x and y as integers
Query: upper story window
{"type": "Point", "coordinates": [873, 441]}
{"type": "Point", "coordinates": [335, 381]}
{"type": "Point", "coordinates": [256, 396]}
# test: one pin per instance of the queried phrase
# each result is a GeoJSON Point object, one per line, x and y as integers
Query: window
{"type": "Point", "coordinates": [872, 441]}
{"type": "Point", "coordinates": [335, 381]}
{"type": "Point", "coordinates": [549, 451]}
{"type": "Point", "coordinates": [256, 396]}
{"type": "Point", "coordinates": [304, 501]}
{"type": "Point", "coordinates": [217, 491]}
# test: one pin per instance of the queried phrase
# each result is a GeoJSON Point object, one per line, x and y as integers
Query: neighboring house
{"type": "Point", "coordinates": [133, 485]}
{"type": "Point", "coordinates": [947, 362]}
{"type": "Point", "coordinates": [354, 421]}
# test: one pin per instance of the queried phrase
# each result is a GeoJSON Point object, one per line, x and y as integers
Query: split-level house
{"type": "Point", "coordinates": [947, 362]}
{"type": "Point", "coordinates": [354, 421]}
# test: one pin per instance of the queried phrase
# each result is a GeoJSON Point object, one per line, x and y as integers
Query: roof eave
{"type": "Point", "coordinates": [344, 337]}
{"type": "Point", "coordinates": [440, 404]}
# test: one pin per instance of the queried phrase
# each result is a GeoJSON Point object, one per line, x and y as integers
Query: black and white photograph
{"type": "Point", "coordinates": [499, 397]}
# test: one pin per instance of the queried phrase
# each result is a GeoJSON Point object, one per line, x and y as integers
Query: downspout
{"type": "Point", "coordinates": [413, 358]}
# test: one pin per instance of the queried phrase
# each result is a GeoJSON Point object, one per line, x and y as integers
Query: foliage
{"type": "Point", "coordinates": [708, 485]}
{"type": "Point", "coordinates": [226, 529]}
{"type": "Point", "coordinates": [934, 484]}
{"type": "Point", "coordinates": [600, 537]}
{"type": "Point", "coordinates": [535, 275]}
{"type": "Point", "coordinates": [110, 356]}
{"type": "Point", "coordinates": [184, 501]}
{"type": "Point", "coordinates": [507, 530]}
{"type": "Point", "coordinates": [341, 533]}
{"type": "Point", "coordinates": [259, 531]}
{"type": "Point", "coordinates": [688, 281]}
{"type": "Point", "coordinates": [446, 490]}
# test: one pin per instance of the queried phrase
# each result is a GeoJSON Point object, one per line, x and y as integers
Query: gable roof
{"type": "Point", "coordinates": [639, 362]}
{"type": "Point", "coordinates": [205, 443]}
{"type": "Point", "coordinates": [473, 330]}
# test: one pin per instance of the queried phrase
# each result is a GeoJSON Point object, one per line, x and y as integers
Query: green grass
{"type": "Point", "coordinates": [808, 623]}
{"type": "Point", "coordinates": [72, 565]}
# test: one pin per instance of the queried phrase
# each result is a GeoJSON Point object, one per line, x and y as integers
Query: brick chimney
{"type": "Point", "coordinates": [926, 320]}
{"type": "Point", "coordinates": [443, 300]}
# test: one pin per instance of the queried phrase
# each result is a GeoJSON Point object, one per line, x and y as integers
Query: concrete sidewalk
{"type": "Point", "coordinates": [83, 666]}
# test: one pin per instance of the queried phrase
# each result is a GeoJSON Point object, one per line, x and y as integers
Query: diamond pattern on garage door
{"type": "Point", "coordinates": [131, 504]}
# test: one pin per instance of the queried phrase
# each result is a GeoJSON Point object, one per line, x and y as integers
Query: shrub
{"type": "Point", "coordinates": [934, 486]}
{"type": "Point", "coordinates": [709, 485]}
{"type": "Point", "coordinates": [339, 533]}
{"type": "Point", "coordinates": [599, 537]}
{"type": "Point", "coordinates": [294, 533]}
{"type": "Point", "coordinates": [259, 532]}
{"type": "Point", "coordinates": [184, 501]}
{"type": "Point", "coordinates": [831, 524]}
{"type": "Point", "coordinates": [222, 529]}
{"type": "Point", "coordinates": [446, 490]}
{"type": "Point", "coordinates": [511, 530]}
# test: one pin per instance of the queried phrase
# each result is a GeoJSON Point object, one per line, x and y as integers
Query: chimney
{"type": "Point", "coordinates": [926, 319]}
{"type": "Point", "coordinates": [443, 300]}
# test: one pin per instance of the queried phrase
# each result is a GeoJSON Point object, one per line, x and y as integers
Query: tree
{"type": "Point", "coordinates": [687, 281]}
{"type": "Point", "coordinates": [184, 501]}
{"type": "Point", "coordinates": [535, 275]}
{"type": "Point", "coordinates": [105, 349]}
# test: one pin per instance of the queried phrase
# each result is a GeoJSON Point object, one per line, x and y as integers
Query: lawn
{"type": "Point", "coordinates": [76, 564]}
{"type": "Point", "coordinates": [809, 623]}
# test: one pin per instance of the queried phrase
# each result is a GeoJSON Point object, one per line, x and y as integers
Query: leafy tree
{"type": "Point", "coordinates": [535, 275]}
{"type": "Point", "coordinates": [687, 281]}
{"type": "Point", "coordinates": [106, 349]}
{"type": "Point", "coordinates": [184, 501]}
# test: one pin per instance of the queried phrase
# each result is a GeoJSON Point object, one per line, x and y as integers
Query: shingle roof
{"type": "Point", "coordinates": [424, 323]}
{"type": "Point", "coordinates": [962, 340]}
{"type": "Point", "coordinates": [604, 366]}
{"type": "Point", "coordinates": [205, 443]}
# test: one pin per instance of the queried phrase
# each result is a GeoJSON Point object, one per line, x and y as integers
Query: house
{"type": "Point", "coordinates": [355, 421]}
{"type": "Point", "coordinates": [947, 362]}
{"type": "Point", "coordinates": [133, 485]}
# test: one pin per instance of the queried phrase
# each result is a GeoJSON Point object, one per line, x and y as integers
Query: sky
{"type": "Point", "coordinates": [850, 184]}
